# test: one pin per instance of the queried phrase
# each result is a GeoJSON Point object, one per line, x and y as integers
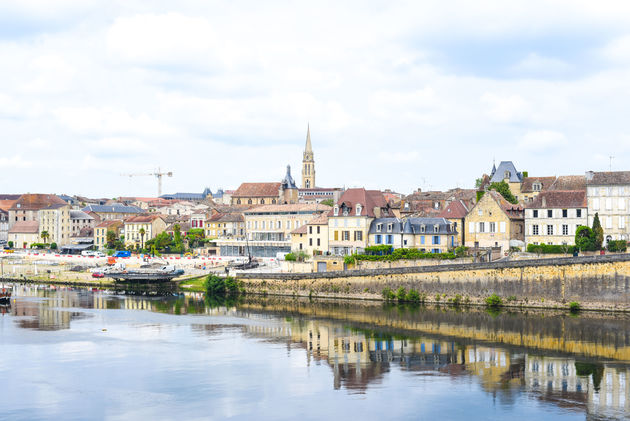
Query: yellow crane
{"type": "Point", "coordinates": [158, 174]}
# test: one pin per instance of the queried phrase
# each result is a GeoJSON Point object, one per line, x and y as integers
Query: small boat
{"type": "Point", "coordinates": [121, 274]}
{"type": "Point", "coordinates": [5, 295]}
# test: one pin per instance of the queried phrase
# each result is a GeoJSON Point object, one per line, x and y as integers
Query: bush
{"type": "Point", "coordinates": [460, 251]}
{"type": "Point", "coordinates": [53, 246]}
{"type": "Point", "coordinates": [401, 293]}
{"type": "Point", "coordinates": [290, 257]}
{"type": "Point", "coordinates": [574, 306]}
{"type": "Point", "coordinates": [397, 254]}
{"type": "Point", "coordinates": [10, 244]}
{"type": "Point", "coordinates": [378, 250]}
{"type": "Point", "coordinates": [388, 294]}
{"type": "Point", "coordinates": [585, 238]}
{"type": "Point", "coordinates": [39, 246]}
{"type": "Point", "coordinates": [617, 245]}
{"type": "Point", "coordinates": [457, 300]}
{"type": "Point", "coordinates": [550, 249]}
{"type": "Point", "coordinates": [215, 285]}
{"type": "Point", "coordinates": [494, 301]}
{"type": "Point", "coordinates": [413, 296]}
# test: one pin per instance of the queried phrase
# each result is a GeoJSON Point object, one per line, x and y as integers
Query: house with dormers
{"type": "Point", "coordinates": [431, 235]}
{"type": "Point", "coordinates": [350, 219]}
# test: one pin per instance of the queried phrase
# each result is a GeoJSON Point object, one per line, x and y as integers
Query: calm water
{"type": "Point", "coordinates": [77, 354]}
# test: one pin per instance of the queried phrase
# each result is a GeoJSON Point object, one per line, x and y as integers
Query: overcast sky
{"type": "Point", "coordinates": [398, 94]}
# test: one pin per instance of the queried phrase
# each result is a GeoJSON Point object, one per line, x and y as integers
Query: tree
{"type": "Point", "coordinates": [177, 238]}
{"type": "Point", "coordinates": [503, 189]}
{"type": "Point", "coordinates": [111, 239]}
{"type": "Point", "coordinates": [141, 231]}
{"type": "Point", "coordinates": [45, 236]}
{"type": "Point", "coordinates": [584, 238]}
{"type": "Point", "coordinates": [598, 233]}
{"type": "Point", "coordinates": [328, 202]}
{"type": "Point", "coordinates": [195, 237]}
{"type": "Point", "coordinates": [478, 183]}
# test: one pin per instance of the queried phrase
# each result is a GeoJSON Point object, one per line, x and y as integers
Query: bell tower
{"type": "Point", "coordinates": [308, 163]}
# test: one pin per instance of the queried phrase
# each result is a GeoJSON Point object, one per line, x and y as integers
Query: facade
{"type": "Point", "coordinates": [198, 219]}
{"type": "Point", "coordinates": [191, 197]}
{"type": "Point", "coordinates": [182, 208]}
{"type": "Point", "coordinates": [608, 194]}
{"type": "Point", "coordinates": [284, 192]}
{"type": "Point", "coordinates": [494, 222]}
{"type": "Point", "coordinates": [80, 222]}
{"type": "Point", "coordinates": [6, 202]}
{"type": "Point", "coordinates": [311, 238]}
{"type": "Point", "coordinates": [27, 207]}
{"type": "Point", "coordinates": [553, 217]}
{"type": "Point", "coordinates": [455, 213]}
{"type": "Point", "coordinates": [24, 233]}
{"type": "Point", "coordinates": [152, 225]}
{"type": "Point", "coordinates": [308, 163]}
{"type": "Point", "coordinates": [101, 229]}
{"type": "Point", "coordinates": [317, 194]}
{"type": "Point", "coordinates": [431, 235]}
{"type": "Point", "coordinates": [55, 220]}
{"type": "Point", "coordinates": [349, 221]}
{"type": "Point", "coordinates": [113, 211]}
{"type": "Point", "coordinates": [225, 225]}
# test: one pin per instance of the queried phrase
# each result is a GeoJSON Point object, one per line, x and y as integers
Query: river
{"type": "Point", "coordinates": [78, 354]}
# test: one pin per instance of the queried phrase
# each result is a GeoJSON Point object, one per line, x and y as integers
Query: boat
{"type": "Point", "coordinates": [5, 295]}
{"type": "Point", "coordinates": [162, 274]}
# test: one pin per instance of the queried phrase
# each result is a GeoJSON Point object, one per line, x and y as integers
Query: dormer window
{"type": "Point", "coordinates": [537, 187]}
{"type": "Point", "coordinates": [406, 205]}
{"type": "Point", "coordinates": [507, 174]}
{"type": "Point", "coordinates": [345, 211]}
{"type": "Point", "coordinates": [379, 227]}
{"type": "Point", "coordinates": [390, 227]}
{"type": "Point", "coordinates": [422, 228]}
{"type": "Point", "coordinates": [336, 210]}
{"type": "Point", "coordinates": [436, 228]}
{"type": "Point", "coordinates": [359, 210]}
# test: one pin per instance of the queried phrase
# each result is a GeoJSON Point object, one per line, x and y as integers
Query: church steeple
{"type": "Point", "coordinates": [308, 162]}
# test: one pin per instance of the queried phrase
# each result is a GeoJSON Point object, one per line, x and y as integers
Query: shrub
{"type": "Point", "coordinates": [215, 285]}
{"type": "Point", "coordinates": [574, 306]}
{"type": "Point", "coordinates": [53, 246]}
{"type": "Point", "coordinates": [401, 293]}
{"type": "Point", "coordinates": [494, 301]}
{"type": "Point", "coordinates": [585, 238]}
{"type": "Point", "coordinates": [397, 254]}
{"type": "Point", "coordinates": [437, 297]}
{"type": "Point", "coordinates": [290, 257]}
{"type": "Point", "coordinates": [511, 298]}
{"type": "Point", "coordinates": [413, 296]}
{"type": "Point", "coordinates": [550, 248]}
{"type": "Point", "coordinates": [388, 294]}
{"type": "Point", "coordinates": [10, 244]}
{"type": "Point", "coordinates": [457, 300]}
{"type": "Point", "coordinates": [460, 251]}
{"type": "Point", "coordinates": [617, 245]}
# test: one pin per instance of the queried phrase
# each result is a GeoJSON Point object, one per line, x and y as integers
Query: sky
{"type": "Point", "coordinates": [398, 94]}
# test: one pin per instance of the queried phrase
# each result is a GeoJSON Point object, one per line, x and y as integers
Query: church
{"type": "Point", "coordinates": [309, 192]}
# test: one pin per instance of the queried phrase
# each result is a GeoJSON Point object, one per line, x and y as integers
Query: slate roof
{"type": "Point", "coordinates": [288, 182]}
{"type": "Point", "coordinates": [411, 226]}
{"type": "Point", "coordinates": [257, 190]}
{"type": "Point", "coordinates": [607, 178]}
{"type": "Point", "coordinates": [455, 210]}
{"type": "Point", "coordinates": [115, 208]}
{"type": "Point", "coordinates": [559, 199]}
{"type": "Point", "coordinates": [227, 217]}
{"type": "Point", "coordinates": [10, 196]}
{"type": "Point", "coordinates": [77, 214]}
{"type": "Point", "coordinates": [36, 201]}
{"type": "Point", "coordinates": [498, 175]}
{"type": "Point", "coordinates": [368, 199]}
{"type": "Point", "coordinates": [25, 227]}
{"type": "Point", "coordinates": [188, 196]}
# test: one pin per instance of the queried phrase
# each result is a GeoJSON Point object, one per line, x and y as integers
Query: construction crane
{"type": "Point", "coordinates": [158, 174]}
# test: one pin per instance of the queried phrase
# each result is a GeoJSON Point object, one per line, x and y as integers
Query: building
{"type": "Point", "coordinates": [24, 233]}
{"type": "Point", "coordinates": [182, 208]}
{"type": "Point", "coordinates": [432, 203]}
{"type": "Point", "coordinates": [455, 213]}
{"type": "Point", "coordinates": [113, 211]}
{"type": "Point", "coordinates": [608, 195]}
{"type": "Point", "coordinates": [553, 217]}
{"type": "Point", "coordinates": [432, 235]}
{"type": "Point", "coordinates": [80, 222]}
{"type": "Point", "coordinates": [6, 202]}
{"type": "Point", "coordinates": [308, 163]}
{"type": "Point", "coordinates": [284, 192]}
{"type": "Point", "coordinates": [349, 221]}
{"type": "Point", "coordinates": [495, 222]}
{"type": "Point", "coordinates": [101, 229]}
{"type": "Point", "coordinates": [311, 238]}
{"type": "Point", "coordinates": [317, 194]}
{"type": "Point", "coordinates": [152, 225]}
{"type": "Point", "coordinates": [27, 207]}
{"type": "Point", "coordinates": [225, 225]}
{"type": "Point", "coordinates": [507, 172]}
{"type": "Point", "coordinates": [55, 220]}
{"type": "Point", "coordinates": [190, 197]}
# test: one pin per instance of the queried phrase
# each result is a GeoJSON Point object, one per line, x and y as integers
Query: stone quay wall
{"type": "Point", "coordinates": [596, 282]}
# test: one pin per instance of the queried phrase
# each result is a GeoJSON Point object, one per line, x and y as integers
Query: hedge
{"type": "Point", "coordinates": [400, 254]}
{"type": "Point", "coordinates": [617, 245]}
{"type": "Point", "coordinates": [550, 249]}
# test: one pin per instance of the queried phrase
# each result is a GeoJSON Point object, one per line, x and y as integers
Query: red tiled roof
{"type": "Point", "coordinates": [291, 207]}
{"type": "Point", "coordinates": [36, 201]}
{"type": "Point", "coordinates": [6, 204]}
{"type": "Point", "coordinates": [257, 190]}
{"type": "Point", "coordinates": [559, 199]}
{"type": "Point", "coordinates": [319, 220]}
{"type": "Point", "coordinates": [25, 227]}
{"type": "Point", "coordinates": [108, 223]}
{"type": "Point", "coordinates": [300, 230]}
{"type": "Point", "coordinates": [511, 210]}
{"type": "Point", "coordinates": [368, 199]}
{"type": "Point", "coordinates": [142, 219]}
{"type": "Point", "coordinates": [569, 182]}
{"type": "Point", "coordinates": [528, 183]}
{"type": "Point", "coordinates": [456, 210]}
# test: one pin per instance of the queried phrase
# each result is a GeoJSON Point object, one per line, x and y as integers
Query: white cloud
{"type": "Point", "coordinates": [535, 64]}
{"type": "Point", "coordinates": [506, 108]}
{"type": "Point", "coordinates": [15, 162]}
{"type": "Point", "coordinates": [618, 49]}
{"type": "Point", "coordinates": [543, 140]}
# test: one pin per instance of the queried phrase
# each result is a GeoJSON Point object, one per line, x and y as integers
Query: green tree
{"type": "Point", "coordinates": [598, 233]}
{"type": "Point", "coordinates": [478, 183]}
{"type": "Point", "coordinates": [177, 239]}
{"type": "Point", "coordinates": [111, 239]}
{"type": "Point", "coordinates": [141, 231]}
{"type": "Point", "coordinates": [195, 237]}
{"type": "Point", "coordinates": [328, 202]}
{"type": "Point", "coordinates": [584, 238]}
{"type": "Point", "coordinates": [45, 236]}
{"type": "Point", "coordinates": [503, 189]}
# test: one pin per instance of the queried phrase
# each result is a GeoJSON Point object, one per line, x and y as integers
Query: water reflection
{"type": "Point", "coordinates": [578, 365]}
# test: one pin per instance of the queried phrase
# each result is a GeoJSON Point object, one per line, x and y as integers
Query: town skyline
{"type": "Point", "coordinates": [219, 94]}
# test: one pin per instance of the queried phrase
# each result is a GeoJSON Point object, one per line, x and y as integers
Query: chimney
{"type": "Point", "coordinates": [377, 212]}
{"type": "Point", "coordinates": [544, 202]}
{"type": "Point", "coordinates": [589, 175]}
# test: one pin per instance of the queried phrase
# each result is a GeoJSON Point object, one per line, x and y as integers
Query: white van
{"type": "Point", "coordinates": [87, 253]}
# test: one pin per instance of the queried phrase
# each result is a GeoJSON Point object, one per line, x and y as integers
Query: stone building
{"type": "Point", "coordinates": [495, 222]}
{"type": "Point", "coordinates": [55, 220]}
{"type": "Point", "coordinates": [432, 235]}
{"type": "Point", "coordinates": [311, 238]}
{"type": "Point", "coordinates": [101, 229]}
{"type": "Point", "coordinates": [608, 194]}
{"type": "Point", "coordinates": [284, 192]}
{"type": "Point", "coordinates": [308, 163]}
{"type": "Point", "coordinates": [553, 217]}
{"type": "Point", "coordinates": [27, 207]}
{"type": "Point", "coordinates": [152, 225]}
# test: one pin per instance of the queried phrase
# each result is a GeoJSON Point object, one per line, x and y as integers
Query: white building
{"type": "Point", "coordinates": [553, 217]}
{"type": "Point", "coordinates": [608, 194]}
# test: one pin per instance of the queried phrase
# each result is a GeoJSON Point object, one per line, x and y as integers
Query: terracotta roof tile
{"type": "Point", "coordinates": [559, 199]}
{"type": "Point", "coordinates": [608, 178]}
{"type": "Point", "coordinates": [295, 207]}
{"type": "Point", "coordinates": [258, 190]}
{"type": "Point", "coordinates": [25, 227]}
{"type": "Point", "coordinates": [456, 209]}
{"type": "Point", "coordinates": [368, 199]}
{"type": "Point", "coordinates": [36, 201]}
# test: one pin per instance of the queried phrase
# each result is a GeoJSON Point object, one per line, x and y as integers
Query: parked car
{"type": "Point", "coordinates": [122, 253]}
{"type": "Point", "coordinates": [98, 275]}
{"type": "Point", "coordinates": [99, 254]}
{"type": "Point", "coordinates": [87, 253]}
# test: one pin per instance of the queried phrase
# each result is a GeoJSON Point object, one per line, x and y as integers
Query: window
{"type": "Point", "coordinates": [535, 213]}
{"type": "Point", "coordinates": [358, 210]}
{"type": "Point", "coordinates": [345, 235]}
{"type": "Point", "coordinates": [565, 213]}
{"type": "Point", "coordinates": [621, 204]}
{"type": "Point", "coordinates": [482, 227]}
{"type": "Point", "coordinates": [422, 228]}
{"type": "Point", "coordinates": [336, 235]}
{"type": "Point", "coordinates": [318, 242]}
{"type": "Point", "coordinates": [378, 239]}
{"type": "Point", "coordinates": [336, 211]}
{"type": "Point", "coordinates": [318, 231]}
{"type": "Point", "coordinates": [536, 186]}
{"type": "Point", "coordinates": [273, 201]}
{"type": "Point", "coordinates": [565, 230]}
{"type": "Point", "coordinates": [549, 213]}
{"type": "Point", "coordinates": [549, 229]}
{"type": "Point", "coordinates": [436, 228]}
{"type": "Point", "coordinates": [389, 239]}
{"type": "Point", "coordinates": [422, 239]}
{"type": "Point", "coordinates": [622, 221]}
{"type": "Point", "coordinates": [493, 227]}
{"type": "Point", "coordinates": [578, 213]}
{"type": "Point", "coordinates": [479, 212]}
{"type": "Point", "coordinates": [262, 202]}
{"type": "Point", "coordinates": [358, 236]}
{"type": "Point", "coordinates": [379, 227]}
{"type": "Point", "coordinates": [471, 227]}
{"type": "Point", "coordinates": [436, 239]}
{"type": "Point", "coordinates": [249, 202]}
{"type": "Point", "coordinates": [596, 204]}
{"type": "Point", "coordinates": [609, 222]}
{"type": "Point", "coordinates": [279, 225]}
{"type": "Point", "coordinates": [390, 227]}
{"type": "Point", "coordinates": [534, 229]}
{"type": "Point", "coordinates": [310, 242]}
{"type": "Point", "coordinates": [608, 204]}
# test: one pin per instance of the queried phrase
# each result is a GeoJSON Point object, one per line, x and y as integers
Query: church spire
{"type": "Point", "coordinates": [308, 148]}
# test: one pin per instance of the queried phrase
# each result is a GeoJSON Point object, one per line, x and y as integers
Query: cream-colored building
{"type": "Point", "coordinates": [608, 194]}
{"type": "Point", "coordinates": [55, 219]}
{"type": "Point", "coordinates": [100, 232]}
{"type": "Point", "coordinates": [311, 238]}
{"type": "Point", "coordinates": [152, 225]}
{"type": "Point", "coordinates": [24, 233]}
{"type": "Point", "coordinates": [431, 235]}
{"type": "Point", "coordinates": [494, 222]}
{"type": "Point", "coordinates": [225, 225]}
{"type": "Point", "coordinates": [553, 217]}
{"type": "Point", "coordinates": [349, 221]}
{"type": "Point", "coordinates": [284, 192]}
